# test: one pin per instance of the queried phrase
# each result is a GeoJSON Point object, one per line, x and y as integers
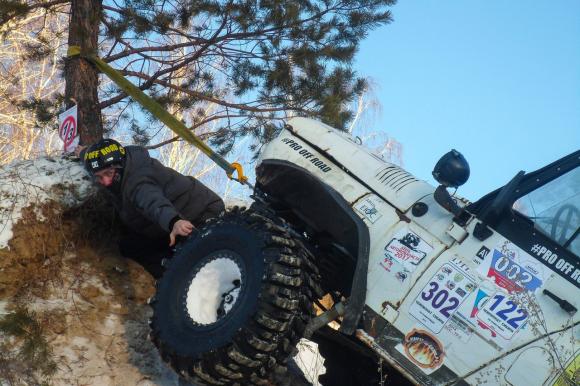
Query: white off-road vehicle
{"type": "Point", "coordinates": [442, 290]}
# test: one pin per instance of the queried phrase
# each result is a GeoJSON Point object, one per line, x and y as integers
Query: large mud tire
{"type": "Point", "coordinates": [276, 284]}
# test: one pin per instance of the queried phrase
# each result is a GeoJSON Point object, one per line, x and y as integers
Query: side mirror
{"type": "Point", "coordinates": [452, 170]}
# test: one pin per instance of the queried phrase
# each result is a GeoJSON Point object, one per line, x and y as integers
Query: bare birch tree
{"type": "Point", "coordinates": [26, 80]}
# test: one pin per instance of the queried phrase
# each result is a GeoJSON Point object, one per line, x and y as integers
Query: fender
{"type": "Point", "coordinates": [310, 199]}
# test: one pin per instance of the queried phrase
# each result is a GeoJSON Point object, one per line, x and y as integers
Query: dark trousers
{"type": "Point", "coordinates": [147, 252]}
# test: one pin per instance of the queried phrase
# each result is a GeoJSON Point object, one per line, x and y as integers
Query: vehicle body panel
{"type": "Point", "coordinates": [292, 149]}
{"type": "Point", "coordinates": [389, 181]}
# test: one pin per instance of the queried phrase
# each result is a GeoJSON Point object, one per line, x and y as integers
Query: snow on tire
{"type": "Point", "coordinates": [234, 300]}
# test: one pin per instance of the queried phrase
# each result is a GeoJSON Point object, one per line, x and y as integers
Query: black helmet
{"type": "Point", "coordinates": [105, 153]}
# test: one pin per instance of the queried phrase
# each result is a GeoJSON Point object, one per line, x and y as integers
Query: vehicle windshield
{"type": "Point", "coordinates": [555, 209]}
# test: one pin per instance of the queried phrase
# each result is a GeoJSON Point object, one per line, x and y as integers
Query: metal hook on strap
{"type": "Point", "coordinates": [238, 168]}
{"type": "Point", "coordinates": [242, 179]}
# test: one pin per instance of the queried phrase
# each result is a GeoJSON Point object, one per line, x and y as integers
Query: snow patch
{"type": "Point", "coordinates": [111, 323]}
{"type": "Point", "coordinates": [3, 310]}
{"type": "Point", "coordinates": [230, 202]}
{"type": "Point", "coordinates": [96, 283]}
{"type": "Point", "coordinates": [213, 280]}
{"type": "Point", "coordinates": [80, 342]}
{"type": "Point", "coordinates": [23, 183]}
{"type": "Point", "coordinates": [310, 361]}
{"type": "Point", "coordinates": [52, 304]}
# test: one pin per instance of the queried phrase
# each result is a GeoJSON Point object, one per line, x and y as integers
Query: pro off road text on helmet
{"type": "Point", "coordinates": [105, 153]}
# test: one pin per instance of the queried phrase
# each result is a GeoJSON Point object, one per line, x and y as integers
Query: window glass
{"type": "Point", "coordinates": [555, 209]}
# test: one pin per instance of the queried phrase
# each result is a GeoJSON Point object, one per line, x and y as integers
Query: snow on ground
{"type": "Point", "coordinates": [3, 308]}
{"type": "Point", "coordinates": [23, 183]}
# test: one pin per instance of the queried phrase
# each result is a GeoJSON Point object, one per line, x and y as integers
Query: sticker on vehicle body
{"type": "Point", "coordinates": [459, 329]}
{"type": "Point", "coordinates": [513, 270]}
{"type": "Point", "coordinates": [441, 297]}
{"type": "Point", "coordinates": [497, 315]}
{"type": "Point", "coordinates": [502, 314]}
{"type": "Point", "coordinates": [423, 349]}
{"type": "Point", "coordinates": [307, 154]}
{"type": "Point", "coordinates": [511, 276]}
{"type": "Point", "coordinates": [407, 249]}
{"type": "Point", "coordinates": [367, 208]}
{"type": "Point", "coordinates": [565, 267]}
{"type": "Point", "coordinates": [482, 253]}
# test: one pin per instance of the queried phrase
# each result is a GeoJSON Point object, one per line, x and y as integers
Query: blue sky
{"type": "Point", "coordinates": [497, 80]}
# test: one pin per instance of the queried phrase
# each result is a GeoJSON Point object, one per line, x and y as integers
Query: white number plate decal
{"type": "Point", "coordinates": [367, 208]}
{"type": "Point", "coordinates": [500, 313]}
{"type": "Point", "coordinates": [441, 297]}
{"type": "Point", "coordinates": [508, 274]}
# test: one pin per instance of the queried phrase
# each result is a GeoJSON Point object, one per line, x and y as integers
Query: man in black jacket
{"type": "Point", "coordinates": [154, 202]}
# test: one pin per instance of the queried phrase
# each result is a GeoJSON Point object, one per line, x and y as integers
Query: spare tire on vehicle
{"type": "Point", "coordinates": [234, 300]}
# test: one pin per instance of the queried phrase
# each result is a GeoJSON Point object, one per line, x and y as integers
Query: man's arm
{"type": "Point", "coordinates": [150, 200]}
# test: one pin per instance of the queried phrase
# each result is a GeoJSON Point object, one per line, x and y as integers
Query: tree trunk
{"type": "Point", "coordinates": [81, 77]}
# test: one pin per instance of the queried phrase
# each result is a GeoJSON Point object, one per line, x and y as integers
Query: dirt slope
{"type": "Point", "coordinates": [62, 265]}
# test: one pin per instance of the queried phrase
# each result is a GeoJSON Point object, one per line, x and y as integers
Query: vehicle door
{"type": "Point", "coordinates": [500, 306]}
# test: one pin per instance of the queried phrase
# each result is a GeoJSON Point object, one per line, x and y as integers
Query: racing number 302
{"type": "Point", "coordinates": [439, 297]}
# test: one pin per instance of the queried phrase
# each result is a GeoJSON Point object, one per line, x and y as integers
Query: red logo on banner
{"type": "Point", "coordinates": [68, 130]}
{"type": "Point", "coordinates": [504, 282]}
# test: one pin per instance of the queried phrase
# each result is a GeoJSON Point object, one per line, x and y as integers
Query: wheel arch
{"type": "Point", "coordinates": [311, 200]}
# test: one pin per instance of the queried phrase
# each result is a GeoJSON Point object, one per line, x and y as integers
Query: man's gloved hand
{"type": "Point", "coordinates": [180, 228]}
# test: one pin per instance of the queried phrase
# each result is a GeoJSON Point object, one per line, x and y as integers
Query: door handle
{"type": "Point", "coordinates": [564, 304]}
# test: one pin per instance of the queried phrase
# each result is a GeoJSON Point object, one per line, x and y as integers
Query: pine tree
{"type": "Point", "coordinates": [255, 62]}
{"type": "Point", "coordinates": [26, 358]}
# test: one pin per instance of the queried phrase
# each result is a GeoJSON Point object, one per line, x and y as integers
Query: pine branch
{"type": "Point", "coordinates": [132, 51]}
{"type": "Point", "coordinates": [153, 79]}
{"type": "Point", "coordinates": [12, 9]}
{"type": "Point", "coordinates": [199, 95]}
{"type": "Point", "coordinates": [203, 137]}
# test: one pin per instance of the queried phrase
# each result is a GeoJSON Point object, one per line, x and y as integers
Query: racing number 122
{"type": "Point", "coordinates": [439, 297]}
{"type": "Point", "coordinates": [510, 307]}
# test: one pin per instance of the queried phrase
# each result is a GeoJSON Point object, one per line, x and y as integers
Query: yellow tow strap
{"type": "Point", "coordinates": [160, 113]}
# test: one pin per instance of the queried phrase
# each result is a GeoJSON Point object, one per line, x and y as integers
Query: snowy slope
{"type": "Point", "coordinates": [23, 183]}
